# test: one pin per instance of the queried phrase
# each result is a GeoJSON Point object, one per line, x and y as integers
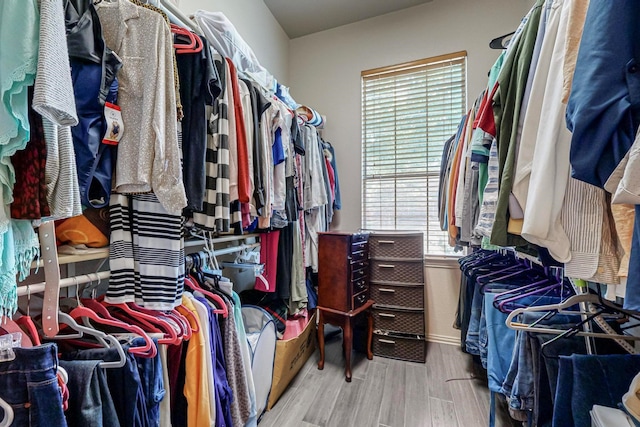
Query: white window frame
{"type": "Point", "coordinates": [390, 175]}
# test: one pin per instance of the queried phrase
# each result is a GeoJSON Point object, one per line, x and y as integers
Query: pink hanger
{"type": "Point", "coordinates": [191, 283]}
{"type": "Point", "coordinates": [148, 350]}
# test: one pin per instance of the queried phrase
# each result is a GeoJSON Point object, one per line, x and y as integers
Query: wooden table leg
{"type": "Point", "coordinates": [369, 334]}
{"type": "Point", "coordinates": [321, 339]}
{"type": "Point", "coordinates": [348, 342]}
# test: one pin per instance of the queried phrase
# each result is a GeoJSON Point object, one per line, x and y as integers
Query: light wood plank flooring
{"type": "Point", "coordinates": [447, 391]}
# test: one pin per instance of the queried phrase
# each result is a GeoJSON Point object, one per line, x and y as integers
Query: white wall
{"type": "Point", "coordinates": [257, 26]}
{"type": "Point", "coordinates": [325, 67]}
{"type": "Point", "coordinates": [442, 289]}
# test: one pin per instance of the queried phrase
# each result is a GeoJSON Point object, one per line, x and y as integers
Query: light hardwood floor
{"type": "Point", "coordinates": [443, 392]}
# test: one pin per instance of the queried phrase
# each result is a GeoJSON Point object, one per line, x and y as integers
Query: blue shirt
{"type": "Point", "coordinates": [603, 111]}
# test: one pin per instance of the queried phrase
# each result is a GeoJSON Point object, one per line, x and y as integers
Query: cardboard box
{"type": "Point", "coordinates": [291, 355]}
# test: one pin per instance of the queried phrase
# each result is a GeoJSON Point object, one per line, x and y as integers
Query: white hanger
{"type": "Point", "coordinates": [107, 341]}
{"type": "Point", "coordinates": [8, 414]}
{"type": "Point", "coordinates": [562, 308]}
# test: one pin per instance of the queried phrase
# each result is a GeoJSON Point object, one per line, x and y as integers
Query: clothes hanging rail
{"type": "Point", "coordinates": [175, 15]}
{"type": "Point", "coordinates": [104, 275]}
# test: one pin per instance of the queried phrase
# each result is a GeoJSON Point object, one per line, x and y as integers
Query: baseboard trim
{"type": "Point", "coordinates": [443, 339]}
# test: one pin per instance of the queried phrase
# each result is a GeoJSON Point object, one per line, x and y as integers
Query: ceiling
{"type": "Point", "coordinates": [301, 17]}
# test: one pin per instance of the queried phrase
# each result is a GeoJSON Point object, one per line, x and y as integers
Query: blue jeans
{"type": "Point", "coordinates": [30, 385]}
{"type": "Point", "coordinates": [472, 341]}
{"type": "Point", "coordinates": [632, 296]}
{"type": "Point", "coordinates": [152, 382]}
{"type": "Point", "coordinates": [124, 384]}
{"type": "Point", "coordinates": [519, 384]}
{"type": "Point", "coordinates": [90, 402]}
{"type": "Point", "coordinates": [584, 381]}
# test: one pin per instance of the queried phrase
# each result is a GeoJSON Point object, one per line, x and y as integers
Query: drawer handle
{"type": "Point", "coordinates": [390, 291]}
{"type": "Point", "coordinates": [390, 316]}
{"type": "Point", "coordinates": [386, 242]}
{"type": "Point", "coordinates": [387, 342]}
{"type": "Point", "coordinates": [387, 266]}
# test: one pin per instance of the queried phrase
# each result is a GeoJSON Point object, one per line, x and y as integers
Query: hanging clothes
{"type": "Point", "coordinates": [200, 86]}
{"type": "Point", "coordinates": [507, 106]}
{"type": "Point", "coordinates": [146, 161]}
{"type": "Point", "coordinates": [215, 214]}
{"type": "Point", "coordinates": [226, 40]}
{"type": "Point", "coordinates": [18, 68]}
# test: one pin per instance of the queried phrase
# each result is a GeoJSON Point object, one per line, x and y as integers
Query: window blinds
{"type": "Point", "coordinates": [408, 112]}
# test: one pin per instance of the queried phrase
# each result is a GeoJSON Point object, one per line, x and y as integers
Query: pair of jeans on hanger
{"type": "Point", "coordinates": [29, 383]}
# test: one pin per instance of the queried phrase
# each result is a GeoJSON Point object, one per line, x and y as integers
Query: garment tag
{"type": "Point", "coordinates": [115, 126]}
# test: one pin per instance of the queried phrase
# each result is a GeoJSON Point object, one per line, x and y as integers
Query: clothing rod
{"type": "Point", "coordinates": [231, 249]}
{"type": "Point", "coordinates": [177, 15]}
{"type": "Point", "coordinates": [199, 241]}
{"type": "Point", "coordinates": [104, 275]}
{"type": "Point", "coordinates": [64, 283]}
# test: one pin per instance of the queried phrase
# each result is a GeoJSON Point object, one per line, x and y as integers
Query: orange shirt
{"type": "Point", "coordinates": [244, 181]}
{"type": "Point", "coordinates": [196, 386]}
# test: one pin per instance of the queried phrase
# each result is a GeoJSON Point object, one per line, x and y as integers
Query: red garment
{"type": "Point", "coordinates": [266, 282]}
{"type": "Point", "coordinates": [244, 182]}
{"type": "Point", "coordinates": [246, 215]}
{"type": "Point", "coordinates": [332, 180]}
{"type": "Point", "coordinates": [485, 119]}
{"type": "Point", "coordinates": [30, 189]}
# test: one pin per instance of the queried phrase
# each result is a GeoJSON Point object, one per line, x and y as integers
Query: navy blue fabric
{"type": "Point", "coordinates": [277, 149]}
{"type": "Point", "coordinates": [94, 160]}
{"type": "Point", "coordinates": [30, 385]}
{"type": "Point", "coordinates": [199, 86]}
{"type": "Point", "coordinates": [90, 402]}
{"type": "Point", "coordinates": [632, 295]}
{"type": "Point", "coordinates": [587, 380]}
{"type": "Point", "coordinates": [223, 392]}
{"type": "Point", "coordinates": [124, 384]}
{"type": "Point", "coordinates": [152, 382]}
{"type": "Point", "coordinates": [603, 111]}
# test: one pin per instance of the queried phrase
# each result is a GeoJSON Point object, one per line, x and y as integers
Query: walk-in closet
{"type": "Point", "coordinates": [417, 213]}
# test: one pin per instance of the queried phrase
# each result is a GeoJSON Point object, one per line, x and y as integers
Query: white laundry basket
{"type": "Point", "coordinates": [261, 334]}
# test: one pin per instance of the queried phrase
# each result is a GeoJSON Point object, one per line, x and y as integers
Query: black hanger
{"type": "Point", "coordinates": [501, 42]}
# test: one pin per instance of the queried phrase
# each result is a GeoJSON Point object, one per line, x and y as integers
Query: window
{"type": "Point", "coordinates": [408, 112]}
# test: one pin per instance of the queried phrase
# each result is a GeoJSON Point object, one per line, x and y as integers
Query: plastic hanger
{"type": "Point", "coordinates": [222, 306]}
{"type": "Point", "coordinates": [10, 326]}
{"type": "Point", "coordinates": [482, 260]}
{"type": "Point", "coordinates": [565, 308]}
{"type": "Point", "coordinates": [541, 291]}
{"type": "Point", "coordinates": [7, 419]}
{"type": "Point", "coordinates": [153, 323]}
{"type": "Point", "coordinates": [26, 322]}
{"type": "Point", "coordinates": [501, 42]}
{"type": "Point", "coordinates": [194, 45]}
{"type": "Point", "coordinates": [172, 321]}
{"type": "Point", "coordinates": [108, 341]}
{"type": "Point", "coordinates": [148, 350]}
{"type": "Point", "coordinates": [519, 292]}
{"type": "Point", "coordinates": [191, 318]}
